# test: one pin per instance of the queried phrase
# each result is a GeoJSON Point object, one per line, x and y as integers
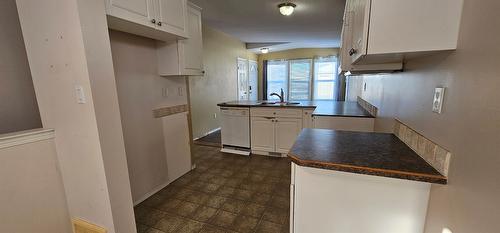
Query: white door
{"type": "Point", "coordinates": [172, 16]}
{"type": "Point", "coordinates": [287, 130]}
{"type": "Point", "coordinates": [193, 47]}
{"type": "Point", "coordinates": [252, 80]}
{"type": "Point", "coordinates": [177, 145]}
{"type": "Point", "coordinates": [262, 131]}
{"type": "Point", "coordinates": [242, 79]}
{"type": "Point", "coordinates": [140, 12]}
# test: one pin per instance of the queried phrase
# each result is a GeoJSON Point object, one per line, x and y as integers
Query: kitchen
{"type": "Point", "coordinates": [249, 116]}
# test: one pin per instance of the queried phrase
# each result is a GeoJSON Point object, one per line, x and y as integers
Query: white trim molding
{"type": "Point", "coordinates": [25, 137]}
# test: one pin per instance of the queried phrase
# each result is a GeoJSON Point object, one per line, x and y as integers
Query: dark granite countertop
{"type": "Point", "coordinates": [379, 154]}
{"type": "Point", "coordinates": [322, 108]}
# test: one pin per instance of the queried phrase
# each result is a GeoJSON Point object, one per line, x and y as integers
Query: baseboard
{"type": "Point", "coordinates": [209, 132]}
{"type": "Point", "coordinates": [151, 193]}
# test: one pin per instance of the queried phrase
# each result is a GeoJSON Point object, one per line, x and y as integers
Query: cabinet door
{"type": "Point", "coordinates": [287, 130]}
{"type": "Point", "coordinates": [361, 15]}
{"type": "Point", "coordinates": [137, 11]}
{"type": "Point", "coordinates": [307, 119]}
{"type": "Point", "coordinates": [191, 49]}
{"type": "Point", "coordinates": [172, 16]}
{"type": "Point", "coordinates": [262, 131]}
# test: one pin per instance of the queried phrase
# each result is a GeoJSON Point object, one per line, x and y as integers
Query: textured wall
{"type": "Point", "coordinates": [469, 125]}
{"type": "Point", "coordinates": [220, 53]}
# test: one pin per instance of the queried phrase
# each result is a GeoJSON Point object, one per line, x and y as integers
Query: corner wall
{"type": "Point", "coordinates": [220, 53]}
{"type": "Point", "coordinates": [469, 126]}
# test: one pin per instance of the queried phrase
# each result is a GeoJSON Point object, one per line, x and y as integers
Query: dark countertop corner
{"type": "Point", "coordinates": [379, 154]}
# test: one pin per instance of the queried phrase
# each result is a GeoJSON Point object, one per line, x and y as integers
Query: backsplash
{"type": "Point", "coordinates": [166, 111]}
{"type": "Point", "coordinates": [434, 154]}
{"type": "Point", "coordinates": [368, 107]}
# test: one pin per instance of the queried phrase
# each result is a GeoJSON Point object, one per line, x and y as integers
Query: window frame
{"type": "Point", "coordinates": [312, 76]}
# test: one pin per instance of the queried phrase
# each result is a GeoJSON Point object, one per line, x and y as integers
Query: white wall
{"type": "Point", "coordinates": [469, 126]}
{"type": "Point", "coordinates": [139, 92]}
{"type": "Point", "coordinates": [67, 45]}
{"type": "Point", "coordinates": [100, 67]}
{"type": "Point", "coordinates": [32, 194]}
{"type": "Point", "coordinates": [18, 107]}
{"type": "Point", "coordinates": [220, 53]}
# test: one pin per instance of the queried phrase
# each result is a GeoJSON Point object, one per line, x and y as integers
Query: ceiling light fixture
{"type": "Point", "coordinates": [286, 8]}
{"type": "Point", "coordinates": [264, 50]}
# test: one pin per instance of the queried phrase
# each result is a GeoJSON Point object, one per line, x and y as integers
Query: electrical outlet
{"type": "Point", "coordinates": [437, 103]}
{"type": "Point", "coordinates": [164, 92]}
{"type": "Point", "coordinates": [215, 115]}
{"type": "Point", "coordinates": [180, 91]}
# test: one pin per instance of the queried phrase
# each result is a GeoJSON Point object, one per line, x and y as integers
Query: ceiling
{"type": "Point", "coordinates": [314, 24]}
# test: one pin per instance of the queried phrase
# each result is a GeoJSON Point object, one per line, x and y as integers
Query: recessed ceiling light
{"type": "Point", "coordinates": [286, 8]}
{"type": "Point", "coordinates": [264, 50]}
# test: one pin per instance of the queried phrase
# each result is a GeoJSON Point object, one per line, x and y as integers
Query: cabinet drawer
{"type": "Point", "coordinates": [276, 112]}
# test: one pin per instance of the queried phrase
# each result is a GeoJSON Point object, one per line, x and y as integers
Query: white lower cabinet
{"type": "Point", "coordinates": [348, 202]}
{"type": "Point", "coordinates": [262, 131]}
{"type": "Point", "coordinates": [274, 130]}
{"type": "Point", "coordinates": [286, 131]}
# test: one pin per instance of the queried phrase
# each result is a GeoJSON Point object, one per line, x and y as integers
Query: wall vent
{"type": "Point", "coordinates": [81, 226]}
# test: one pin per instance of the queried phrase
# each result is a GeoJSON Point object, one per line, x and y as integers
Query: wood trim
{"type": "Point", "coordinates": [171, 110]}
{"type": "Point", "coordinates": [370, 171]}
{"type": "Point", "coordinates": [25, 137]}
{"type": "Point", "coordinates": [81, 226]}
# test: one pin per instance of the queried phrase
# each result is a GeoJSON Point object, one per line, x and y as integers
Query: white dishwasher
{"type": "Point", "coordinates": [235, 130]}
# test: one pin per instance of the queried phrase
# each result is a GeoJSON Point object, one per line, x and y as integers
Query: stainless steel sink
{"type": "Point", "coordinates": [279, 103]}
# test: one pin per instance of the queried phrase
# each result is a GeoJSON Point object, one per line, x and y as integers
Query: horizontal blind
{"type": "Point", "coordinates": [300, 79]}
{"type": "Point", "coordinates": [277, 78]}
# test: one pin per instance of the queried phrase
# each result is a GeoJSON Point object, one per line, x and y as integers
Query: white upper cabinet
{"type": "Point", "coordinates": [183, 57]}
{"type": "Point", "coordinates": [172, 16]}
{"type": "Point", "coordinates": [389, 31]}
{"type": "Point", "coordinates": [158, 19]}
{"type": "Point", "coordinates": [140, 12]}
{"type": "Point", "coordinates": [347, 46]}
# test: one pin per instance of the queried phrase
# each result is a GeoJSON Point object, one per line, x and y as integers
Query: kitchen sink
{"type": "Point", "coordinates": [279, 103]}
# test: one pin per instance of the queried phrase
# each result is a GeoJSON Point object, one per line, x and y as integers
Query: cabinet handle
{"type": "Point", "coordinates": [352, 51]}
{"type": "Point", "coordinates": [159, 23]}
{"type": "Point", "coordinates": [153, 21]}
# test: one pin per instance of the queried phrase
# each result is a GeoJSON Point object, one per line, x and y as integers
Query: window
{"type": "Point", "coordinates": [303, 79]}
{"type": "Point", "coordinates": [300, 79]}
{"type": "Point", "coordinates": [277, 78]}
{"type": "Point", "coordinates": [325, 73]}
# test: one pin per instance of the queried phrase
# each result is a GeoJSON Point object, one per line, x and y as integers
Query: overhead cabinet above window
{"type": "Point", "coordinates": [389, 31]}
{"type": "Point", "coordinates": [158, 19]}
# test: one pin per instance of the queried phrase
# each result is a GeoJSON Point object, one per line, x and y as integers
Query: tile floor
{"type": "Point", "coordinates": [225, 193]}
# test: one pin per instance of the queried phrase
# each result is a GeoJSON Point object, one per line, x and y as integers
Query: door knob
{"type": "Point", "coordinates": [159, 23]}
{"type": "Point", "coordinates": [153, 21]}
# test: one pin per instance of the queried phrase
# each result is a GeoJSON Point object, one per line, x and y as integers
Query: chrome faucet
{"type": "Point", "coordinates": [282, 96]}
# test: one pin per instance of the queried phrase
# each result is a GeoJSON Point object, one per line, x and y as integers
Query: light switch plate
{"type": "Point", "coordinates": [437, 103]}
{"type": "Point", "coordinates": [80, 95]}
